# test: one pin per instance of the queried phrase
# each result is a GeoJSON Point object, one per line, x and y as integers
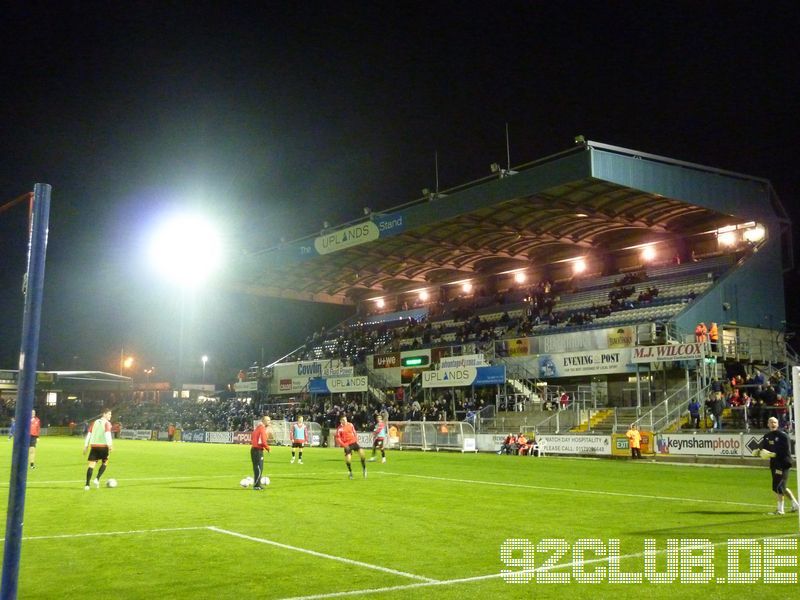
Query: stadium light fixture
{"type": "Point", "coordinates": [467, 287]}
{"type": "Point", "coordinates": [380, 303]}
{"type": "Point", "coordinates": [726, 238]}
{"type": "Point", "coordinates": [520, 277]}
{"type": "Point", "coordinates": [423, 295]}
{"type": "Point", "coordinates": [186, 249]}
{"type": "Point", "coordinates": [648, 254]}
{"type": "Point", "coordinates": [579, 266]}
{"type": "Point", "coordinates": [755, 234]}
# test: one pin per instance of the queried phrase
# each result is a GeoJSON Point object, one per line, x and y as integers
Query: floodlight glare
{"type": "Point", "coordinates": [519, 277]}
{"type": "Point", "coordinates": [186, 249]}
{"type": "Point", "coordinates": [579, 266]}
{"type": "Point", "coordinates": [467, 287]}
{"type": "Point", "coordinates": [754, 235]}
{"type": "Point", "coordinates": [727, 238]}
{"type": "Point", "coordinates": [380, 303]}
{"type": "Point", "coordinates": [648, 254]}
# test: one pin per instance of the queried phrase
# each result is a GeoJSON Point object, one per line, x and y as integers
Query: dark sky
{"type": "Point", "coordinates": [272, 117]}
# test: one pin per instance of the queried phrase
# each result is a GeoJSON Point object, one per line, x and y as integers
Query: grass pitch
{"type": "Point", "coordinates": [423, 525]}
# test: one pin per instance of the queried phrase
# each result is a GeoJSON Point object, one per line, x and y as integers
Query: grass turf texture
{"type": "Point", "coordinates": [420, 517]}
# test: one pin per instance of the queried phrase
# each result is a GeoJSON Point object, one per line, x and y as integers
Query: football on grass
{"type": "Point", "coordinates": [245, 482]}
{"type": "Point", "coordinates": [265, 481]}
{"type": "Point", "coordinates": [112, 483]}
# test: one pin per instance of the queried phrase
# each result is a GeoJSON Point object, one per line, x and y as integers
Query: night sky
{"type": "Point", "coordinates": [273, 117]}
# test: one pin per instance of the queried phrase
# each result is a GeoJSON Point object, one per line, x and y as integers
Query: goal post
{"type": "Point", "coordinates": [456, 436]}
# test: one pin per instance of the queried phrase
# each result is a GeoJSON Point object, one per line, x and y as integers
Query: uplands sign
{"type": "Point", "coordinates": [669, 352]}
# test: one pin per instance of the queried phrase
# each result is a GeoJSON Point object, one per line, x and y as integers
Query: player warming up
{"type": "Point", "coordinates": [99, 438]}
{"type": "Point", "coordinates": [257, 446]}
{"type": "Point", "coordinates": [299, 438]}
{"type": "Point", "coordinates": [379, 435]}
{"type": "Point", "coordinates": [775, 445]}
{"type": "Point", "coordinates": [347, 439]}
{"type": "Point", "coordinates": [36, 428]}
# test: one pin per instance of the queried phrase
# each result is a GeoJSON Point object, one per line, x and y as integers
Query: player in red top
{"type": "Point", "coordinates": [35, 430]}
{"type": "Point", "coordinates": [346, 437]}
{"type": "Point", "coordinates": [258, 444]}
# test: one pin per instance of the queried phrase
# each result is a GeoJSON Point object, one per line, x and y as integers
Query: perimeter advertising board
{"type": "Point", "coordinates": [597, 445]}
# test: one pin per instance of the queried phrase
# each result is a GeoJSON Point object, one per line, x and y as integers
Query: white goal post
{"type": "Point", "coordinates": [433, 435]}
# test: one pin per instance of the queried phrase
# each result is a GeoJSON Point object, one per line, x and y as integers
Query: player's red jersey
{"type": "Point", "coordinates": [259, 439]}
{"type": "Point", "coordinates": [346, 435]}
{"type": "Point", "coordinates": [36, 426]}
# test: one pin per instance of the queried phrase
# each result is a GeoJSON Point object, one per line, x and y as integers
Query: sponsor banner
{"type": "Point", "coordinates": [467, 360]}
{"type": "Point", "coordinates": [341, 385]}
{"type": "Point", "coordinates": [389, 224]}
{"type": "Point", "coordinates": [704, 444]}
{"type": "Point", "coordinates": [669, 352]}
{"type": "Point", "coordinates": [347, 237]}
{"type": "Point", "coordinates": [219, 437]}
{"type": "Point", "coordinates": [194, 436]}
{"type": "Point", "coordinates": [595, 339]}
{"type": "Point", "coordinates": [470, 445]}
{"type": "Point", "coordinates": [163, 436]}
{"type": "Point", "coordinates": [311, 368]}
{"type": "Point", "coordinates": [464, 376]}
{"type": "Point", "coordinates": [245, 386]}
{"type": "Point", "coordinates": [386, 361]}
{"type": "Point", "coordinates": [514, 347]}
{"type": "Point", "coordinates": [242, 437]}
{"type": "Point", "coordinates": [599, 445]}
{"type": "Point", "coordinates": [135, 434]}
{"type": "Point", "coordinates": [593, 362]}
{"type": "Point", "coordinates": [620, 447]}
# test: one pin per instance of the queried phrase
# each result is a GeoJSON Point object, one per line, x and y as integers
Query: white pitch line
{"type": "Point", "coordinates": [443, 582]}
{"type": "Point", "coordinates": [578, 490]}
{"type": "Point", "coordinates": [323, 555]}
{"type": "Point", "coordinates": [29, 482]}
{"type": "Point", "coordinates": [108, 533]}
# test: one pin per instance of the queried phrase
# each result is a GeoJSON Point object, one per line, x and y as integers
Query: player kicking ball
{"type": "Point", "coordinates": [99, 438]}
{"type": "Point", "coordinates": [775, 446]}
{"type": "Point", "coordinates": [379, 435]}
{"type": "Point", "coordinates": [346, 437]}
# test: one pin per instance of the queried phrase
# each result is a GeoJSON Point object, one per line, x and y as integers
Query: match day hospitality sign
{"type": "Point", "coordinates": [669, 352]}
{"type": "Point", "coordinates": [597, 445]}
{"type": "Point", "coordinates": [464, 376]}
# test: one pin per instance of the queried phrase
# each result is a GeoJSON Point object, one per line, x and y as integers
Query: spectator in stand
{"type": "Point", "coordinates": [509, 445]}
{"type": "Point", "coordinates": [522, 445]}
{"type": "Point", "coordinates": [713, 336]}
{"type": "Point", "coordinates": [700, 332]}
{"type": "Point", "coordinates": [717, 406]}
{"type": "Point", "coordinates": [564, 400]}
{"type": "Point", "coordinates": [694, 413]}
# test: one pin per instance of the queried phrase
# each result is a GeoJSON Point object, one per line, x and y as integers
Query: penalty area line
{"type": "Point", "coordinates": [65, 536]}
{"type": "Point", "coordinates": [490, 576]}
{"type": "Point", "coordinates": [579, 491]}
{"type": "Point", "coordinates": [348, 561]}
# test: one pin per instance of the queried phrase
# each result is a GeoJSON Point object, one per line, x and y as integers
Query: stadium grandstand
{"type": "Point", "coordinates": [574, 294]}
{"type": "Point", "coordinates": [579, 281]}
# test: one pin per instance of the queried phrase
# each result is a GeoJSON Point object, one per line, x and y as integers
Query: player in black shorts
{"type": "Point", "coordinates": [776, 443]}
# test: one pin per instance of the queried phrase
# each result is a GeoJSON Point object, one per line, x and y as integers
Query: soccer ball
{"type": "Point", "coordinates": [112, 483]}
{"type": "Point", "coordinates": [265, 480]}
{"type": "Point", "coordinates": [245, 482]}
